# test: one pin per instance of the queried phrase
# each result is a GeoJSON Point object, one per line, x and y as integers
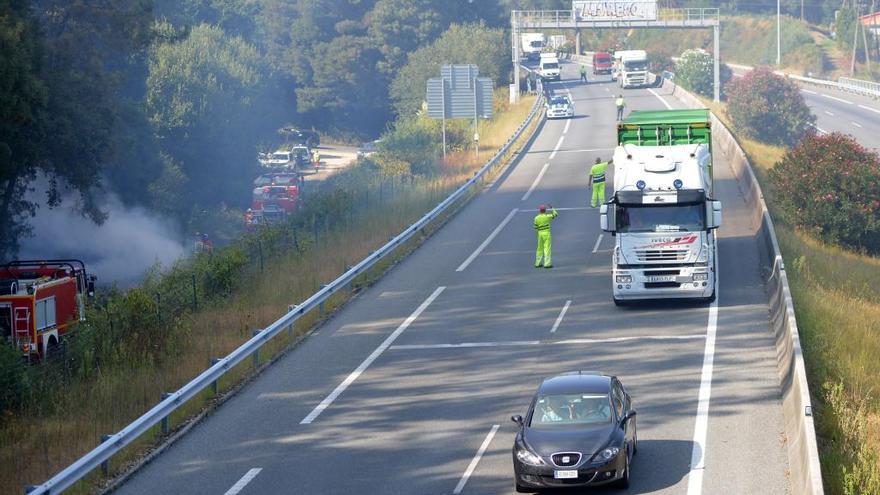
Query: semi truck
{"type": "Point", "coordinates": [662, 213]}
{"type": "Point", "coordinates": [532, 44]}
{"type": "Point", "coordinates": [631, 68]}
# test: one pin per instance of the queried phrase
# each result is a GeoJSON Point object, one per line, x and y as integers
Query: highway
{"type": "Point", "coordinates": [841, 111]}
{"type": "Point", "coordinates": [409, 388]}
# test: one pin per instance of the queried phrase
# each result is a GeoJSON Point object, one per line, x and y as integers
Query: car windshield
{"type": "Point", "coordinates": [661, 218]}
{"type": "Point", "coordinates": [636, 65]}
{"type": "Point", "coordinates": [550, 65]}
{"type": "Point", "coordinates": [571, 409]}
{"type": "Point", "coordinates": [280, 156]}
{"type": "Point", "coordinates": [559, 100]}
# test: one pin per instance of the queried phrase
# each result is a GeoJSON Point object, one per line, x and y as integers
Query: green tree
{"type": "Point", "coordinates": [831, 187]}
{"type": "Point", "coordinates": [461, 44]}
{"type": "Point", "coordinates": [209, 103]}
{"type": "Point", "coordinates": [695, 71]}
{"type": "Point", "coordinates": [768, 107]}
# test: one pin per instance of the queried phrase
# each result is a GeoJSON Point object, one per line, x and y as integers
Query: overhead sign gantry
{"type": "Point", "coordinates": [616, 14]}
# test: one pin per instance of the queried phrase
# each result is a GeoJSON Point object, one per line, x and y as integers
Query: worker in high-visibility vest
{"type": "Point", "coordinates": [620, 104]}
{"type": "Point", "coordinates": [316, 157]}
{"type": "Point", "coordinates": [597, 180]}
{"type": "Point", "coordinates": [584, 73]}
{"type": "Point", "coordinates": [542, 228]}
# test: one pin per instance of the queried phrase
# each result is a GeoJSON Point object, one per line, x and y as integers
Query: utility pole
{"type": "Point", "coordinates": [852, 65]}
{"type": "Point", "coordinates": [778, 33]}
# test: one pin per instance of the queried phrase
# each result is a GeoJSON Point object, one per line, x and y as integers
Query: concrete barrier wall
{"type": "Point", "coordinates": [800, 432]}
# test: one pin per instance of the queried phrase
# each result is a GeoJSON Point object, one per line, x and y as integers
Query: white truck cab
{"type": "Point", "coordinates": [631, 68]}
{"type": "Point", "coordinates": [663, 218]}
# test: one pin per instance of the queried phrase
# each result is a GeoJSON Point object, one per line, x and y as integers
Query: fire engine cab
{"type": "Point", "coordinates": [274, 197]}
{"type": "Point", "coordinates": [40, 301]}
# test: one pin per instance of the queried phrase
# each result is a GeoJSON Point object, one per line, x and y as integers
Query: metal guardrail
{"type": "Point", "coordinates": [116, 442]}
{"type": "Point", "coordinates": [869, 88]}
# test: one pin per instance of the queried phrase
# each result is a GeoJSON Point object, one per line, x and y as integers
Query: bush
{"type": "Point", "coordinates": [768, 108]}
{"type": "Point", "coordinates": [830, 185]}
{"type": "Point", "coordinates": [695, 71]}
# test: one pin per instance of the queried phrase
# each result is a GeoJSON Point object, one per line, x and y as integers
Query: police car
{"type": "Point", "coordinates": [560, 107]}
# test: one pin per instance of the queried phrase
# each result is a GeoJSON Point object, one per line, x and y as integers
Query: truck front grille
{"type": "Point", "coordinates": [661, 254]}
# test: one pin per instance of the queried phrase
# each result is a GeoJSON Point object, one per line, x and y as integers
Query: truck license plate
{"type": "Point", "coordinates": [565, 474]}
{"type": "Point", "coordinates": [661, 278]}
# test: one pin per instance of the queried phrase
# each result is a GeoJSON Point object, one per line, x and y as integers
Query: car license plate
{"type": "Point", "coordinates": [565, 474]}
{"type": "Point", "coordinates": [661, 278]}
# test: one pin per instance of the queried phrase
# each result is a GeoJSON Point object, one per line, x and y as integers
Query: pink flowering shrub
{"type": "Point", "coordinates": [830, 185]}
{"type": "Point", "coordinates": [768, 107]}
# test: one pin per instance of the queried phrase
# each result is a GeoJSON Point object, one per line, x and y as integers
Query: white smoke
{"type": "Point", "coordinates": [119, 251]}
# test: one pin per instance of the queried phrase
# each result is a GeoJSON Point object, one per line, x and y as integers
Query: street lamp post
{"type": "Point", "coordinates": [778, 33]}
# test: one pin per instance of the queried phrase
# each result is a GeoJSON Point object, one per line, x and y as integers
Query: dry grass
{"type": "Point", "coordinates": [34, 448]}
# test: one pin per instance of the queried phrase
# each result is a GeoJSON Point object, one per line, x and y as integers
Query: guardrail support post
{"type": "Point", "coordinates": [214, 384]}
{"type": "Point", "coordinates": [290, 327]}
{"type": "Point", "coordinates": [164, 396]}
{"type": "Point", "coordinates": [105, 466]}
{"type": "Point", "coordinates": [256, 355]}
{"type": "Point", "coordinates": [321, 305]}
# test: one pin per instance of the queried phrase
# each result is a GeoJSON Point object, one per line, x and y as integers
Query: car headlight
{"type": "Point", "coordinates": [526, 456]}
{"type": "Point", "coordinates": [701, 276]}
{"type": "Point", "coordinates": [624, 279]}
{"type": "Point", "coordinates": [609, 453]}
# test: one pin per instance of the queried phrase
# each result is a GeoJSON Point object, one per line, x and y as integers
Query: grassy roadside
{"type": "Point", "coordinates": [35, 445]}
{"type": "Point", "coordinates": [837, 302]}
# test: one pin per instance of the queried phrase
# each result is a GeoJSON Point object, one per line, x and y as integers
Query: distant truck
{"type": "Point", "coordinates": [602, 63]}
{"type": "Point", "coordinates": [549, 68]}
{"type": "Point", "coordinates": [40, 301]}
{"type": "Point", "coordinates": [662, 212]}
{"type": "Point", "coordinates": [631, 68]}
{"type": "Point", "coordinates": [532, 45]}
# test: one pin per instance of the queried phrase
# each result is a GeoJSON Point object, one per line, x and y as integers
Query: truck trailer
{"type": "Point", "coordinates": [662, 213]}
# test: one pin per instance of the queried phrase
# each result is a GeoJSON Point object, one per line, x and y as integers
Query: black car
{"type": "Point", "coordinates": [580, 430]}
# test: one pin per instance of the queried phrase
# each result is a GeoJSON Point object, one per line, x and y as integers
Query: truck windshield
{"type": "Point", "coordinates": [537, 44]}
{"type": "Point", "coordinates": [551, 65]}
{"type": "Point", "coordinates": [636, 65]}
{"type": "Point", "coordinates": [678, 218]}
{"type": "Point", "coordinates": [603, 60]}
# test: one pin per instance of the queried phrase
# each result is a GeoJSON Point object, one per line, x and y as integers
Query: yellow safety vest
{"type": "Point", "coordinates": [620, 103]}
{"type": "Point", "coordinates": [598, 172]}
{"type": "Point", "coordinates": [542, 220]}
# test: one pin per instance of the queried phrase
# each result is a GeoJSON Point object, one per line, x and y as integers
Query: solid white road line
{"type": "Point", "coordinates": [598, 241]}
{"type": "Point", "coordinates": [556, 148]}
{"type": "Point", "coordinates": [869, 108]}
{"type": "Point", "coordinates": [487, 241]}
{"type": "Point", "coordinates": [240, 484]}
{"type": "Point", "coordinates": [856, 124]}
{"type": "Point", "coordinates": [559, 209]}
{"type": "Point", "coordinates": [473, 465]}
{"type": "Point", "coordinates": [701, 425]}
{"type": "Point", "coordinates": [837, 99]}
{"type": "Point", "coordinates": [829, 113]}
{"type": "Point", "coordinates": [523, 343]}
{"type": "Point", "coordinates": [668, 106]}
{"type": "Point", "coordinates": [560, 317]}
{"type": "Point", "coordinates": [536, 181]}
{"type": "Point", "coordinates": [567, 125]}
{"type": "Point", "coordinates": [372, 357]}
{"type": "Point", "coordinates": [809, 92]}
{"type": "Point", "coordinates": [821, 131]}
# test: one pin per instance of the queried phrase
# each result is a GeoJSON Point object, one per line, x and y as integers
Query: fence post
{"type": "Point", "coordinates": [256, 355]}
{"type": "Point", "coordinates": [214, 385]}
{"type": "Point", "coordinates": [159, 306]}
{"type": "Point", "coordinates": [260, 249]}
{"type": "Point", "coordinates": [195, 297]}
{"type": "Point", "coordinates": [105, 466]}
{"type": "Point", "coordinates": [164, 396]}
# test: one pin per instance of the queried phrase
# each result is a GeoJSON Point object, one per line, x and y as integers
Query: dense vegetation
{"type": "Point", "coordinates": [768, 107]}
{"type": "Point", "coordinates": [695, 71]}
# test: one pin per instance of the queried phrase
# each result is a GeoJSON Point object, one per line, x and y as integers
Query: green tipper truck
{"type": "Point", "coordinates": [662, 213]}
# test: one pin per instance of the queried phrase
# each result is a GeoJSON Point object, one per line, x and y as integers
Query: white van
{"type": "Point", "coordinates": [549, 69]}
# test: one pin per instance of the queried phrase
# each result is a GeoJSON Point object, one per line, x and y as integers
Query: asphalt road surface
{"type": "Point", "coordinates": [401, 392]}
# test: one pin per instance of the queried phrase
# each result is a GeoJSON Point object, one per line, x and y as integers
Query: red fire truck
{"type": "Point", "coordinates": [275, 196]}
{"type": "Point", "coordinates": [40, 301]}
